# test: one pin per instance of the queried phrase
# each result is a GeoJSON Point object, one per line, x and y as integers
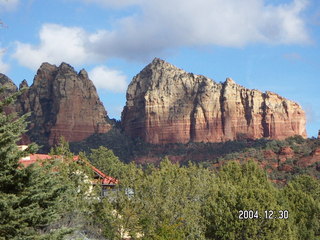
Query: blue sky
{"type": "Point", "coordinates": [261, 44]}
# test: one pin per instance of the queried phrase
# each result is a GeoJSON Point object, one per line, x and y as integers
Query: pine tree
{"type": "Point", "coordinates": [29, 197]}
{"type": "Point", "coordinates": [245, 187]}
{"type": "Point", "coordinates": [11, 129]}
{"type": "Point", "coordinates": [105, 160]}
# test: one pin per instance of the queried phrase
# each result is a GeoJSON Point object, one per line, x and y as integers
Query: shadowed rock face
{"type": "Point", "coordinates": [8, 88]}
{"type": "Point", "coordinates": [168, 105]}
{"type": "Point", "coordinates": [8, 84]}
{"type": "Point", "coordinates": [63, 103]}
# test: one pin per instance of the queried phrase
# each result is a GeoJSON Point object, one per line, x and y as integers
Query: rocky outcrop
{"type": "Point", "coordinates": [168, 105]}
{"type": "Point", "coordinates": [7, 84]}
{"type": "Point", "coordinates": [313, 159]}
{"type": "Point", "coordinates": [285, 154]}
{"type": "Point", "coordinates": [7, 88]}
{"type": "Point", "coordinates": [63, 103]}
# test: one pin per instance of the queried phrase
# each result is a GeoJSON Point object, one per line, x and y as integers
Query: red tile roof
{"type": "Point", "coordinates": [33, 158]}
{"type": "Point", "coordinates": [39, 157]}
{"type": "Point", "coordinates": [105, 178]}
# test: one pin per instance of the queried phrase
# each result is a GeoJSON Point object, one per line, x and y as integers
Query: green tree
{"type": "Point", "coordinates": [86, 211]}
{"type": "Point", "coordinates": [30, 197]}
{"type": "Point", "coordinates": [105, 160]}
{"type": "Point", "coordinates": [82, 209]}
{"type": "Point", "coordinates": [303, 194]}
{"type": "Point", "coordinates": [244, 187]}
{"type": "Point", "coordinates": [62, 149]}
{"type": "Point", "coordinates": [166, 202]}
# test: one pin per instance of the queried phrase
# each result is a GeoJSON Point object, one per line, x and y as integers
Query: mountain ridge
{"type": "Point", "coordinates": [62, 102]}
{"type": "Point", "coordinates": [165, 104]}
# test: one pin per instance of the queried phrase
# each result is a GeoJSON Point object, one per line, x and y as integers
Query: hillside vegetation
{"type": "Point", "coordinates": [282, 159]}
{"type": "Point", "coordinates": [53, 200]}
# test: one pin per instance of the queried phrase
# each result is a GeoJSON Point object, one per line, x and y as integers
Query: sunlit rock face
{"type": "Point", "coordinates": [168, 105]}
{"type": "Point", "coordinates": [63, 103]}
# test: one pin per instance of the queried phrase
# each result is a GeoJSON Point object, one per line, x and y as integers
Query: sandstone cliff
{"type": "Point", "coordinates": [63, 103]}
{"type": "Point", "coordinates": [7, 84]}
{"type": "Point", "coordinates": [7, 88]}
{"type": "Point", "coordinates": [168, 105]}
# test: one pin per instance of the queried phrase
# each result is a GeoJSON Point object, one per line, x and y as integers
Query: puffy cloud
{"type": "Point", "coordinates": [74, 46]}
{"type": "Point", "coordinates": [8, 5]}
{"type": "Point", "coordinates": [108, 79]}
{"type": "Point", "coordinates": [4, 67]}
{"type": "Point", "coordinates": [58, 44]}
{"type": "Point", "coordinates": [160, 26]}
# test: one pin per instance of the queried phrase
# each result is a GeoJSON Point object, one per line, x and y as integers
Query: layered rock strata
{"type": "Point", "coordinates": [62, 102]}
{"type": "Point", "coordinates": [168, 105]}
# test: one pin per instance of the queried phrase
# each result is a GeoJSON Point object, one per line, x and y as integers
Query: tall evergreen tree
{"type": "Point", "coordinates": [29, 197]}
{"type": "Point", "coordinates": [105, 160]}
{"type": "Point", "coordinates": [245, 188]}
{"type": "Point", "coordinates": [303, 194]}
{"type": "Point", "coordinates": [11, 129]}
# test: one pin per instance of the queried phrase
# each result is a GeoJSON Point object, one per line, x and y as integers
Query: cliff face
{"type": "Point", "coordinates": [63, 103]}
{"type": "Point", "coordinates": [168, 105]}
{"type": "Point", "coordinates": [8, 84]}
{"type": "Point", "coordinates": [8, 88]}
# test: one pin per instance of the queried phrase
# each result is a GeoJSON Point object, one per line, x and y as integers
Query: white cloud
{"type": "Point", "coordinates": [4, 67]}
{"type": "Point", "coordinates": [58, 44]}
{"type": "Point", "coordinates": [74, 46]}
{"type": "Point", "coordinates": [170, 23]}
{"type": "Point", "coordinates": [108, 79]}
{"type": "Point", "coordinates": [160, 26]}
{"type": "Point", "coordinates": [8, 5]}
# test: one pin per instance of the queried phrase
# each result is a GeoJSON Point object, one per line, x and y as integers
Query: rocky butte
{"type": "Point", "coordinates": [8, 89]}
{"type": "Point", "coordinates": [64, 103]}
{"type": "Point", "coordinates": [168, 105]}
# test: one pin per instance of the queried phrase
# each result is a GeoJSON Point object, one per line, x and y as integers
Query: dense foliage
{"type": "Point", "coordinates": [212, 154]}
{"type": "Point", "coordinates": [35, 201]}
{"type": "Point", "coordinates": [55, 199]}
{"type": "Point", "coordinates": [192, 202]}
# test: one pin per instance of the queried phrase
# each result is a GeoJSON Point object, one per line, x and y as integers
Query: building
{"type": "Point", "coordinates": [107, 183]}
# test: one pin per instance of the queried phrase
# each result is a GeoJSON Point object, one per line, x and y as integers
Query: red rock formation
{"type": "Point", "coordinates": [63, 103]}
{"type": "Point", "coordinates": [168, 105]}
{"type": "Point", "coordinates": [8, 88]}
{"type": "Point", "coordinates": [285, 168]}
{"type": "Point", "coordinates": [316, 152]}
{"type": "Point", "coordinates": [310, 160]}
{"type": "Point", "coordinates": [14, 108]}
{"type": "Point", "coordinates": [269, 154]}
{"type": "Point", "coordinates": [7, 84]}
{"type": "Point", "coordinates": [285, 154]}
